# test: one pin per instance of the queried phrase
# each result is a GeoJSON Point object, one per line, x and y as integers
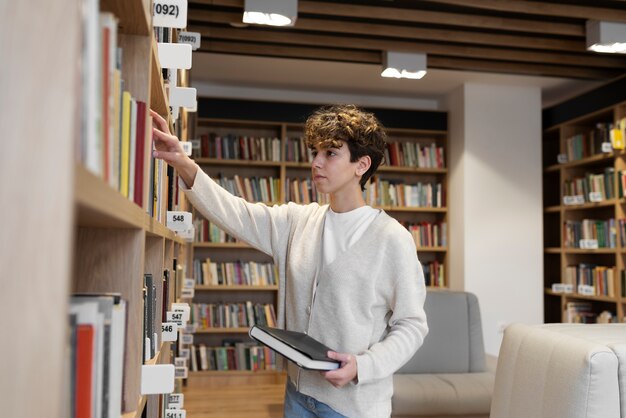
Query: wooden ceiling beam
{"type": "Point", "coordinates": [542, 8]}
{"type": "Point", "coordinates": [408, 32]}
{"type": "Point", "coordinates": [423, 16]}
{"type": "Point", "coordinates": [218, 46]}
{"type": "Point", "coordinates": [346, 42]}
{"type": "Point", "coordinates": [447, 63]}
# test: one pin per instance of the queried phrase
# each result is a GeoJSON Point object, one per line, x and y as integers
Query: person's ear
{"type": "Point", "coordinates": [363, 164]}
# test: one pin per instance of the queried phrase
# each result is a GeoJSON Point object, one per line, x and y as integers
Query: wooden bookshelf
{"type": "Point", "coordinates": [284, 170]}
{"type": "Point", "coordinates": [558, 256]}
{"type": "Point", "coordinates": [69, 230]}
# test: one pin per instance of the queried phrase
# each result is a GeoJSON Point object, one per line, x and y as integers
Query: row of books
{"type": "Point", "coordinates": [414, 154]}
{"type": "Point", "coordinates": [434, 274]}
{"type": "Point", "coordinates": [96, 355]}
{"type": "Point", "coordinates": [207, 231]}
{"type": "Point", "coordinates": [593, 187]}
{"type": "Point", "coordinates": [586, 144]}
{"type": "Point", "coordinates": [252, 189]}
{"type": "Point", "coordinates": [601, 278]}
{"type": "Point", "coordinates": [582, 312]}
{"type": "Point", "coordinates": [603, 233]}
{"type": "Point", "coordinates": [380, 192]}
{"type": "Point", "coordinates": [232, 315]}
{"type": "Point", "coordinates": [236, 147]}
{"type": "Point", "coordinates": [303, 191]}
{"type": "Point", "coordinates": [250, 273]}
{"type": "Point", "coordinates": [428, 234]}
{"type": "Point", "coordinates": [241, 356]}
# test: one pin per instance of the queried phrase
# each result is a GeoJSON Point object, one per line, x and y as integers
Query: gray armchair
{"type": "Point", "coordinates": [448, 376]}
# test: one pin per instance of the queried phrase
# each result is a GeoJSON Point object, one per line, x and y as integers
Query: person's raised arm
{"type": "Point", "coordinates": [168, 148]}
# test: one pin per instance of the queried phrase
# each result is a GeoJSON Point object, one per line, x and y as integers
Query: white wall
{"type": "Point", "coordinates": [496, 203]}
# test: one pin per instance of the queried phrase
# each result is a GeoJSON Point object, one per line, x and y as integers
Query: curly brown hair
{"type": "Point", "coordinates": [330, 126]}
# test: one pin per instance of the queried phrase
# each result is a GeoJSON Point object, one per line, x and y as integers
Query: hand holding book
{"type": "Point", "coordinates": [347, 371]}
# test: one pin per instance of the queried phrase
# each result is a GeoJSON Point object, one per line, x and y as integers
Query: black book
{"type": "Point", "coordinates": [297, 347]}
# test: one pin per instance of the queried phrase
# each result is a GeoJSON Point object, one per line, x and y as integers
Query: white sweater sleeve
{"type": "Point", "coordinates": [263, 227]}
{"type": "Point", "coordinates": [407, 324]}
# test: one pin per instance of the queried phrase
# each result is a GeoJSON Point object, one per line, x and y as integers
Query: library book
{"type": "Point", "coordinates": [297, 347]}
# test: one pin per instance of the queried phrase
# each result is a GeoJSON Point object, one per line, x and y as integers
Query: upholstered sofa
{"type": "Point", "coordinates": [561, 371]}
{"type": "Point", "coordinates": [448, 376]}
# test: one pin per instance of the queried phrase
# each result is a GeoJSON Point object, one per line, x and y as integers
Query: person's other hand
{"type": "Point", "coordinates": [346, 373]}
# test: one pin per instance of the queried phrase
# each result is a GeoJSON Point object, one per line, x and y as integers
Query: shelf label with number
{"type": "Point", "coordinates": [180, 361]}
{"type": "Point", "coordinates": [588, 244]}
{"type": "Point", "coordinates": [176, 318]}
{"type": "Point", "coordinates": [185, 352]}
{"type": "Point", "coordinates": [191, 328]}
{"type": "Point", "coordinates": [178, 220]}
{"type": "Point", "coordinates": [175, 413]}
{"type": "Point", "coordinates": [169, 331]}
{"type": "Point", "coordinates": [562, 288]}
{"type": "Point", "coordinates": [191, 38]}
{"type": "Point", "coordinates": [189, 283]}
{"type": "Point", "coordinates": [189, 234]}
{"type": "Point", "coordinates": [184, 308]}
{"type": "Point", "coordinates": [561, 158]}
{"type": "Point", "coordinates": [187, 293]}
{"type": "Point", "coordinates": [595, 197]}
{"type": "Point", "coordinates": [169, 14]}
{"type": "Point", "coordinates": [186, 339]}
{"type": "Point", "coordinates": [607, 147]}
{"type": "Point", "coordinates": [175, 401]}
{"type": "Point", "coordinates": [586, 290]}
{"type": "Point", "coordinates": [568, 200]}
{"type": "Point", "coordinates": [181, 372]}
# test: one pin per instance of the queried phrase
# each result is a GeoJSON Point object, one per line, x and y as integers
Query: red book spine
{"type": "Point", "coordinates": [84, 370]}
{"type": "Point", "coordinates": [140, 154]}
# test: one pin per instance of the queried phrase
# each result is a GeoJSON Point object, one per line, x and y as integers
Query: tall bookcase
{"type": "Point", "coordinates": [286, 170]}
{"type": "Point", "coordinates": [67, 230]}
{"type": "Point", "coordinates": [564, 253]}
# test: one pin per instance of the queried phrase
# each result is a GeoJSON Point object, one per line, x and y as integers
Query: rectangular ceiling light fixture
{"type": "Point", "coordinates": [404, 65]}
{"type": "Point", "coordinates": [606, 36]}
{"type": "Point", "coordinates": [270, 12]}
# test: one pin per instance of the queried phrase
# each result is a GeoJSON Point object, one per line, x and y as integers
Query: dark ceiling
{"type": "Point", "coordinates": [543, 38]}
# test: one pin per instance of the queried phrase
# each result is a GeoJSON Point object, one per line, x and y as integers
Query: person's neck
{"type": "Point", "coordinates": [341, 203]}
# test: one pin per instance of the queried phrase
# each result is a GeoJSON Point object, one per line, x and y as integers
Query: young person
{"type": "Point", "coordinates": [348, 273]}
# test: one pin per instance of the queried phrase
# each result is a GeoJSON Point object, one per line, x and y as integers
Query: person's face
{"type": "Point", "coordinates": [332, 170]}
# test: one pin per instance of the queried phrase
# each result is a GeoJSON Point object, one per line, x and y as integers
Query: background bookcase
{"type": "Point", "coordinates": [284, 170]}
{"type": "Point", "coordinates": [68, 230]}
{"type": "Point", "coordinates": [557, 255]}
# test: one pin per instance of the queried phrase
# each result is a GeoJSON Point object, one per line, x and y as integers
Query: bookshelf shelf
{"type": "Point", "coordinates": [432, 249]}
{"type": "Point", "coordinates": [221, 245]}
{"type": "Point", "coordinates": [602, 268]}
{"type": "Point", "coordinates": [221, 331]}
{"type": "Point", "coordinates": [415, 209]}
{"type": "Point", "coordinates": [226, 288]}
{"type": "Point", "coordinates": [230, 373]}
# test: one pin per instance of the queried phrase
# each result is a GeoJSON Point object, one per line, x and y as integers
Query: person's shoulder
{"type": "Point", "coordinates": [310, 210]}
{"type": "Point", "coordinates": [393, 233]}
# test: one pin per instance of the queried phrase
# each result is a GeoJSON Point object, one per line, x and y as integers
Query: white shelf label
{"type": "Point", "coordinates": [191, 38]}
{"type": "Point", "coordinates": [187, 293]}
{"type": "Point", "coordinates": [607, 147]}
{"type": "Point", "coordinates": [169, 14]}
{"type": "Point", "coordinates": [562, 288]}
{"type": "Point", "coordinates": [187, 147]}
{"type": "Point", "coordinates": [176, 318]}
{"type": "Point", "coordinates": [157, 379]}
{"type": "Point", "coordinates": [181, 372]}
{"type": "Point", "coordinates": [174, 110]}
{"type": "Point", "coordinates": [561, 158]}
{"type": "Point", "coordinates": [175, 401]}
{"type": "Point", "coordinates": [588, 244]}
{"type": "Point", "coordinates": [185, 352]}
{"type": "Point", "coordinates": [180, 362]}
{"type": "Point", "coordinates": [586, 290]}
{"type": "Point", "coordinates": [189, 283]}
{"type": "Point", "coordinates": [188, 234]}
{"type": "Point", "coordinates": [175, 413]}
{"type": "Point", "coordinates": [184, 308]}
{"type": "Point", "coordinates": [186, 339]}
{"type": "Point", "coordinates": [595, 197]}
{"type": "Point", "coordinates": [169, 331]}
{"type": "Point", "coordinates": [183, 97]}
{"type": "Point", "coordinates": [178, 220]}
{"type": "Point", "coordinates": [175, 56]}
{"type": "Point", "coordinates": [568, 200]}
{"type": "Point", "coordinates": [191, 328]}
{"type": "Point", "coordinates": [195, 143]}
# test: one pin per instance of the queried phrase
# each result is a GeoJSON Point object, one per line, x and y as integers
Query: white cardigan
{"type": "Point", "coordinates": [367, 302]}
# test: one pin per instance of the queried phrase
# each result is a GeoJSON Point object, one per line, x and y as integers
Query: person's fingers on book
{"type": "Point", "coordinates": [169, 157]}
{"type": "Point", "coordinates": [160, 121]}
{"type": "Point", "coordinates": [346, 373]}
{"type": "Point", "coordinates": [165, 142]}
